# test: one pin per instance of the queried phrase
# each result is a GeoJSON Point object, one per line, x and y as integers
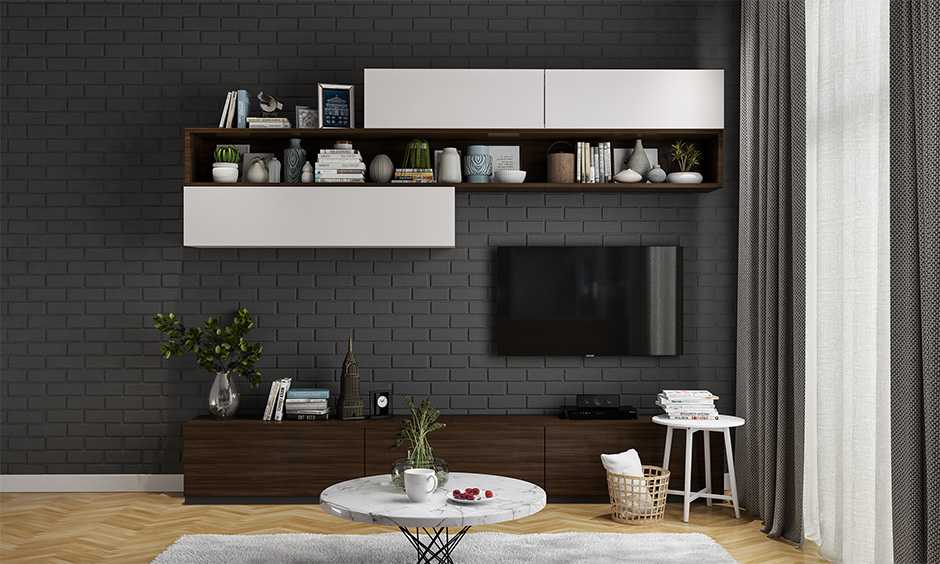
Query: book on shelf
{"type": "Point", "coordinates": [339, 152]}
{"type": "Point", "coordinates": [281, 396]}
{"type": "Point", "coordinates": [305, 404]}
{"type": "Point", "coordinates": [228, 100]}
{"type": "Point", "coordinates": [307, 411]}
{"type": "Point", "coordinates": [306, 417]}
{"type": "Point", "coordinates": [685, 406]}
{"type": "Point", "coordinates": [262, 125]}
{"type": "Point", "coordinates": [685, 394]}
{"type": "Point", "coordinates": [308, 393]}
{"type": "Point", "coordinates": [685, 417]}
{"type": "Point", "coordinates": [339, 180]}
{"type": "Point", "coordinates": [230, 118]}
{"type": "Point", "coordinates": [272, 400]}
{"type": "Point", "coordinates": [340, 165]}
{"type": "Point", "coordinates": [243, 107]}
{"type": "Point", "coordinates": [252, 119]}
{"type": "Point", "coordinates": [663, 398]}
{"type": "Point", "coordinates": [413, 181]}
{"type": "Point", "coordinates": [300, 401]}
{"type": "Point", "coordinates": [319, 170]}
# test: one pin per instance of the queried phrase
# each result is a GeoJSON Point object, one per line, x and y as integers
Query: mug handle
{"type": "Point", "coordinates": [432, 477]}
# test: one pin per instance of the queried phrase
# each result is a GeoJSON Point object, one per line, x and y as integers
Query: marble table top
{"type": "Point", "coordinates": [722, 422]}
{"type": "Point", "coordinates": [375, 500]}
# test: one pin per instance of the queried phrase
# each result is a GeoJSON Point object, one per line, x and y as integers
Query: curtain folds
{"type": "Point", "coordinates": [847, 466]}
{"type": "Point", "coordinates": [915, 279]}
{"type": "Point", "coordinates": [771, 276]}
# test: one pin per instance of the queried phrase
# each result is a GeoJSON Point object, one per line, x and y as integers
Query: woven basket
{"type": "Point", "coordinates": [639, 501]}
{"type": "Point", "coordinates": [560, 165]}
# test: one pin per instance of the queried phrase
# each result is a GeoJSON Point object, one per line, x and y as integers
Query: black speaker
{"type": "Point", "coordinates": [601, 401]}
{"type": "Point", "coordinates": [381, 404]}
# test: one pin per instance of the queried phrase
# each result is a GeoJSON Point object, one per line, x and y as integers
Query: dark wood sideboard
{"type": "Point", "coordinates": [249, 458]}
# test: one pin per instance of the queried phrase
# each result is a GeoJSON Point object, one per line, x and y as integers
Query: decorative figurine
{"type": "Point", "coordinates": [269, 105]}
{"type": "Point", "coordinates": [350, 403]}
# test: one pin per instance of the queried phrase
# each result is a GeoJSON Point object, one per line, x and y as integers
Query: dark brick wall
{"type": "Point", "coordinates": [95, 99]}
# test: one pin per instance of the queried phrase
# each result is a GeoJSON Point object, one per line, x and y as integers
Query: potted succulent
{"type": "Point", "coordinates": [225, 168]}
{"type": "Point", "coordinates": [420, 454]}
{"type": "Point", "coordinates": [222, 351]}
{"type": "Point", "coordinates": [685, 155]}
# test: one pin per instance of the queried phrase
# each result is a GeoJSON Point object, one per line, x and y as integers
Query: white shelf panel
{"type": "Point", "coordinates": [318, 216]}
{"type": "Point", "coordinates": [454, 98]}
{"type": "Point", "coordinates": [634, 99]}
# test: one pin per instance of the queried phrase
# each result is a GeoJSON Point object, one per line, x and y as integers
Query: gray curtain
{"type": "Point", "coordinates": [771, 266]}
{"type": "Point", "coordinates": [915, 279]}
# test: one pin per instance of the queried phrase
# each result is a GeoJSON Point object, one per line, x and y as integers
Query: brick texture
{"type": "Point", "coordinates": [95, 99]}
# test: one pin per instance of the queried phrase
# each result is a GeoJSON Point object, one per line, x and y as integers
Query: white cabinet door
{"type": "Point", "coordinates": [318, 216]}
{"type": "Point", "coordinates": [454, 99]}
{"type": "Point", "coordinates": [634, 99]}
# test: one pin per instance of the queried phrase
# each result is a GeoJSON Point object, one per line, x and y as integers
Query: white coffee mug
{"type": "Point", "coordinates": [420, 483]}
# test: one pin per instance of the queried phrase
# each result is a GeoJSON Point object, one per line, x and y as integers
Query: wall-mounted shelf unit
{"type": "Point", "coordinates": [533, 150]}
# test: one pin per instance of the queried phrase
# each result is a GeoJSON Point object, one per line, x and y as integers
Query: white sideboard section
{"type": "Point", "coordinates": [454, 98]}
{"type": "Point", "coordinates": [634, 99]}
{"type": "Point", "coordinates": [318, 216]}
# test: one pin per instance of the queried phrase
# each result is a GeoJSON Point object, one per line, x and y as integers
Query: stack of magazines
{"type": "Point", "coordinates": [688, 404]}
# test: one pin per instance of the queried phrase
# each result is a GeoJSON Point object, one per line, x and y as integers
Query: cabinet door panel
{"type": "Point", "coordinates": [634, 99]}
{"type": "Point", "coordinates": [454, 98]}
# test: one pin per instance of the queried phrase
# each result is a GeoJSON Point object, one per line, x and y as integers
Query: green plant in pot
{"type": "Point", "coordinates": [415, 432]}
{"type": "Point", "coordinates": [225, 167]}
{"type": "Point", "coordinates": [686, 155]}
{"type": "Point", "coordinates": [222, 351]}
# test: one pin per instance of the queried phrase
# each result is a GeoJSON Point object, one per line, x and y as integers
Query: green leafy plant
{"type": "Point", "coordinates": [227, 154]}
{"type": "Point", "coordinates": [218, 349]}
{"type": "Point", "coordinates": [684, 154]}
{"type": "Point", "coordinates": [415, 431]}
{"type": "Point", "coordinates": [417, 155]}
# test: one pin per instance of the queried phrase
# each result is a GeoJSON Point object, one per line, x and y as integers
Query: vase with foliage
{"type": "Point", "coordinates": [225, 165]}
{"type": "Point", "coordinates": [222, 351]}
{"type": "Point", "coordinates": [685, 155]}
{"type": "Point", "coordinates": [415, 432]}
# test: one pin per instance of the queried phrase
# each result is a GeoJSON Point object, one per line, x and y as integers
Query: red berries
{"type": "Point", "coordinates": [472, 494]}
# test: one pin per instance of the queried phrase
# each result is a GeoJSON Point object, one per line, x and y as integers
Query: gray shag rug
{"type": "Point", "coordinates": [475, 548]}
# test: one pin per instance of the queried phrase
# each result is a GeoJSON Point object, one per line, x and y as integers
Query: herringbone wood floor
{"type": "Point", "coordinates": [123, 528]}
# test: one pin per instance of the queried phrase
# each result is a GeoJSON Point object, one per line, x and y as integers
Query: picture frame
{"type": "Point", "coordinates": [307, 117]}
{"type": "Point", "coordinates": [336, 104]}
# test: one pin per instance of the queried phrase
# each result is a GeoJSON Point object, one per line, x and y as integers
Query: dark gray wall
{"type": "Point", "coordinates": [95, 99]}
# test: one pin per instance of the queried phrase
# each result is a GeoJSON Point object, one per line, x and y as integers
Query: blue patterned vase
{"type": "Point", "coordinates": [477, 164]}
{"type": "Point", "coordinates": [294, 158]}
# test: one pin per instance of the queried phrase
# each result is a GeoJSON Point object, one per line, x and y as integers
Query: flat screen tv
{"type": "Point", "coordinates": [563, 301]}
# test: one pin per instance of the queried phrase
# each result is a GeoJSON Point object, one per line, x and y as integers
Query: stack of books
{"type": "Point", "coordinates": [339, 165]}
{"type": "Point", "coordinates": [307, 404]}
{"type": "Point", "coordinates": [235, 109]}
{"type": "Point", "coordinates": [688, 404]}
{"type": "Point", "coordinates": [274, 410]}
{"type": "Point", "coordinates": [268, 122]}
{"type": "Point", "coordinates": [593, 164]}
{"type": "Point", "coordinates": [413, 176]}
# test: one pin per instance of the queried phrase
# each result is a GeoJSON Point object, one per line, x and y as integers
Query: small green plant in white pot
{"type": "Point", "coordinates": [685, 155]}
{"type": "Point", "coordinates": [225, 168]}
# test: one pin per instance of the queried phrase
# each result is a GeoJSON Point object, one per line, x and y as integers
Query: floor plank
{"type": "Point", "coordinates": [121, 528]}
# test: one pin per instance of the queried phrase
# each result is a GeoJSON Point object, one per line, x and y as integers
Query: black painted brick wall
{"type": "Point", "coordinates": [95, 99]}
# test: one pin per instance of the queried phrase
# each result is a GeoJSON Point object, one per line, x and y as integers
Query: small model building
{"type": "Point", "coordinates": [350, 402]}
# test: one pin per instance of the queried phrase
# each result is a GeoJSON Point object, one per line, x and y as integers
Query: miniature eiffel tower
{"type": "Point", "coordinates": [350, 403]}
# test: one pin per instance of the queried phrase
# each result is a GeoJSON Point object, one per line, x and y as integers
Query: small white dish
{"type": "Point", "coordinates": [477, 499]}
{"type": "Point", "coordinates": [509, 176]}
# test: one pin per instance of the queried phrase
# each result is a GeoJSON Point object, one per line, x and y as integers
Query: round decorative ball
{"type": "Point", "coordinates": [381, 169]}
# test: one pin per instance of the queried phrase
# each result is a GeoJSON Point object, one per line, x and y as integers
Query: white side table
{"type": "Point", "coordinates": [724, 423]}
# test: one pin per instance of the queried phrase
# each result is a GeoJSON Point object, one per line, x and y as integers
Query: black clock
{"type": "Point", "coordinates": [381, 404]}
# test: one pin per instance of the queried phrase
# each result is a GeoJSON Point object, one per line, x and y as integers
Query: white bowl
{"type": "Point", "coordinates": [226, 173]}
{"type": "Point", "coordinates": [509, 176]}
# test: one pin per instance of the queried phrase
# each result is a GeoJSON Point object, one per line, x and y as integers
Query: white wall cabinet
{"type": "Point", "coordinates": [634, 99]}
{"type": "Point", "coordinates": [318, 216]}
{"type": "Point", "coordinates": [454, 98]}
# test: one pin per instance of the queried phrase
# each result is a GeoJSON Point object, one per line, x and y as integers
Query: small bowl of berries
{"type": "Point", "coordinates": [471, 495]}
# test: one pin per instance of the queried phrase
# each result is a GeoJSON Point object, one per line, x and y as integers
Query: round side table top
{"type": "Point", "coordinates": [374, 499]}
{"type": "Point", "coordinates": [723, 422]}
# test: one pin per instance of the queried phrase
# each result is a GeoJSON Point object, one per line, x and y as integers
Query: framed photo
{"type": "Point", "coordinates": [337, 106]}
{"type": "Point", "coordinates": [307, 117]}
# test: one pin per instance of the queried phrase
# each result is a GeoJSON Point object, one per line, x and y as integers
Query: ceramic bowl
{"type": "Point", "coordinates": [509, 176]}
{"type": "Point", "coordinates": [226, 173]}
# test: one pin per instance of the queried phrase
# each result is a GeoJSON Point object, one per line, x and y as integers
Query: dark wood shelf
{"type": "Point", "coordinates": [494, 187]}
{"type": "Point", "coordinates": [533, 145]}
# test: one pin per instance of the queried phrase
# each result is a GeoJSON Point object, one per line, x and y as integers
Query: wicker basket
{"type": "Point", "coordinates": [639, 501]}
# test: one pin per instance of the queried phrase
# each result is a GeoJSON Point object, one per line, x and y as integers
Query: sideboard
{"type": "Point", "coordinates": [247, 458]}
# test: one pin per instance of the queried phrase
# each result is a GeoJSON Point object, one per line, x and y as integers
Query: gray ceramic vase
{"type": "Point", "coordinates": [638, 161]}
{"type": "Point", "coordinates": [381, 169]}
{"type": "Point", "coordinates": [294, 158]}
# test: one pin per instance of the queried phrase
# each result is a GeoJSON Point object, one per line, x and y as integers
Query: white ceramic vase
{"type": "Point", "coordinates": [449, 169]}
{"type": "Point", "coordinates": [684, 177]}
{"type": "Point", "coordinates": [225, 173]}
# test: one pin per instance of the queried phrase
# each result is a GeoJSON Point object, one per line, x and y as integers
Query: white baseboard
{"type": "Point", "coordinates": [91, 483]}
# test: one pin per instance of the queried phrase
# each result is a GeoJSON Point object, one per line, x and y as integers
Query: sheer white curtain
{"type": "Point", "coordinates": [847, 467]}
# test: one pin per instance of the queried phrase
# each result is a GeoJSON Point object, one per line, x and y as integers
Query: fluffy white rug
{"type": "Point", "coordinates": [475, 548]}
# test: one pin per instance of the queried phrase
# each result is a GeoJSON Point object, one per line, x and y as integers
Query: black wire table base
{"type": "Point", "coordinates": [437, 547]}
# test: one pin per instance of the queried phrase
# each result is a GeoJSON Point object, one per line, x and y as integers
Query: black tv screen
{"type": "Point", "coordinates": [563, 301]}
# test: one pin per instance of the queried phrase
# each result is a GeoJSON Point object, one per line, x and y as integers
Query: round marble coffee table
{"type": "Point", "coordinates": [375, 500]}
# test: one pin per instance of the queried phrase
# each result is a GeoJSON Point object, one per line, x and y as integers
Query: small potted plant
{"type": "Point", "coordinates": [222, 351]}
{"type": "Point", "coordinates": [685, 155]}
{"type": "Point", "coordinates": [225, 168]}
{"type": "Point", "coordinates": [420, 454]}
